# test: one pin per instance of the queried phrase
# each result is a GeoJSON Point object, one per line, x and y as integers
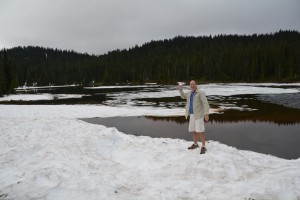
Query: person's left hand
{"type": "Point", "coordinates": [206, 118]}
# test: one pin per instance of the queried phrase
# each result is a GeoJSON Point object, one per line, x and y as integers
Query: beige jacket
{"type": "Point", "coordinates": [200, 104]}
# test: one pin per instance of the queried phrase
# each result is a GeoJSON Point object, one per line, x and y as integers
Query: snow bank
{"type": "Point", "coordinates": [238, 89]}
{"type": "Point", "coordinates": [35, 97]}
{"type": "Point", "coordinates": [149, 85]}
{"type": "Point", "coordinates": [43, 87]}
{"type": "Point", "coordinates": [27, 97]}
{"type": "Point", "coordinates": [46, 153]}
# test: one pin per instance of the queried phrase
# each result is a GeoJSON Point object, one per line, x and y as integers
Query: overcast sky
{"type": "Point", "coordinates": [99, 26]}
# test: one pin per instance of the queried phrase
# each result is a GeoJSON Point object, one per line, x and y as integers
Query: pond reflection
{"type": "Point", "coordinates": [285, 120]}
{"type": "Point", "coordinates": [259, 136]}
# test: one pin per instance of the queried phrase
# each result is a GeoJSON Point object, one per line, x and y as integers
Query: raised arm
{"type": "Point", "coordinates": [182, 94]}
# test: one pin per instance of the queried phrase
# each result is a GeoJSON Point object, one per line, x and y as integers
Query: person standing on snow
{"type": "Point", "coordinates": [197, 108]}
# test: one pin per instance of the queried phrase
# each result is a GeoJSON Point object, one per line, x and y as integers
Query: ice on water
{"type": "Point", "coordinates": [171, 91]}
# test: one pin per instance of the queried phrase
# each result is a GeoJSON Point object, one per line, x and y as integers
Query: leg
{"type": "Point", "coordinates": [195, 136]}
{"type": "Point", "coordinates": [202, 138]}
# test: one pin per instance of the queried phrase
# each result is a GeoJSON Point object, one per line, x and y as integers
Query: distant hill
{"type": "Point", "coordinates": [222, 58]}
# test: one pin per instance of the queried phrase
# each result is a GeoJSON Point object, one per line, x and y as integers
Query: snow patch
{"type": "Point", "coordinates": [35, 97]}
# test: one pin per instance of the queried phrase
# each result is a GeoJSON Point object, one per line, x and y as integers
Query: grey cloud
{"type": "Point", "coordinates": [95, 26]}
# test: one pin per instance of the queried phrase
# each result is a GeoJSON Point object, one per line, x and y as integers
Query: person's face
{"type": "Point", "coordinates": [193, 86]}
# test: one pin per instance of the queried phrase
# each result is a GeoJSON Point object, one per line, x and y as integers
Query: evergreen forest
{"type": "Point", "coordinates": [273, 57]}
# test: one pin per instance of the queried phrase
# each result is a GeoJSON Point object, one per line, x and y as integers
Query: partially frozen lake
{"type": "Point", "coordinates": [260, 117]}
{"type": "Point", "coordinates": [48, 153]}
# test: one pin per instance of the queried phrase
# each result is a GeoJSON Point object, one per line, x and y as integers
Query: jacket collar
{"type": "Point", "coordinates": [196, 91]}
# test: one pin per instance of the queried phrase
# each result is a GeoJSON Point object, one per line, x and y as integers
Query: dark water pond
{"type": "Point", "coordinates": [260, 123]}
{"type": "Point", "coordinates": [281, 140]}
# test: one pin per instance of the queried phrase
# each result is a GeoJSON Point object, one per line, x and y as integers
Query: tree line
{"type": "Point", "coordinates": [7, 75]}
{"type": "Point", "coordinates": [221, 58]}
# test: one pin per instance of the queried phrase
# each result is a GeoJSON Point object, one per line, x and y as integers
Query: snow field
{"type": "Point", "coordinates": [47, 153]}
